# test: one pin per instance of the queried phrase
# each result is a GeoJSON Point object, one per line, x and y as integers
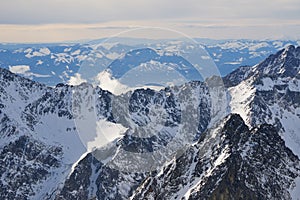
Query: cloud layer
{"type": "Point", "coordinates": [189, 15]}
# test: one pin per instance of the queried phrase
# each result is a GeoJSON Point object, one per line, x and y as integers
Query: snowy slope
{"type": "Point", "coordinates": [270, 93]}
{"type": "Point", "coordinates": [62, 124]}
{"type": "Point", "coordinates": [43, 141]}
{"type": "Point", "coordinates": [123, 164]}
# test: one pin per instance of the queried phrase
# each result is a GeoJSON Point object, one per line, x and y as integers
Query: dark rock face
{"type": "Point", "coordinates": [105, 182]}
{"type": "Point", "coordinates": [237, 76]}
{"type": "Point", "coordinates": [26, 162]}
{"type": "Point", "coordinates": [77, 185]}
{"type": "Point", "coordinates": [104, 104]}
{"type": "Point", "coordinates": [56, 101]}
{"type": "Point", "coordinates": [30, 167]}
{"type": "Point", "coordinates": [287, 59]}
{"type": "Point", "coordinates": [65, 103]}
{"type": "Point", "coordinates": [256, 165]}
{"type": "Point", "coordinates": [91, 179]}
{"type": "Point", "coordinates": [141, 103]}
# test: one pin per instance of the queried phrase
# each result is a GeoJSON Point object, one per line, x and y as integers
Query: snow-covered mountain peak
{"type": "Point", "coordinates": [285, 63]}
{"type": "Point", "coordinates": [291, 49]}
{"type": "Point", "coordinates": [283, 66]}
{"type": "Point", "coordinates": [269, 93]}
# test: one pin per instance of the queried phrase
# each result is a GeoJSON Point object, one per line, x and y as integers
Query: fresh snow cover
{"type": "Point", "coordinates": [81, 57]}
{"type": "Point", "coordinates": [222, 157]}
{"type": "Point", "coordinates": [290, 123]}
{"type": "Point", "coordinates": [197, 183]}
{"type": "Point", "coordinates": [278, 44]}
{"type": "Point", "coordinates": [29, 50]}
{"type": "Point", "coordinates": [67, 49]}
{"type": "Point", "coordinates": [56, 180]}
{"type": "Point", "coordinates": [267, 85]}
{"type": "Point", "coordinates": [45, 51]}
{"type": "Point", "coordinates": [241, 95]}
{"type": "Point", "coordinates": [75, 53]}
{"type": "Point", "coordinates": [62, 58]}
{"type": "Point", "coordinates": [41, 52]}
{"type": "Point", "coordinates": [153, 72]}
{"type": "Point", "coordinates": [186, 190]}
{"type": "Point", "coordinates": [52, 131]}
{"type": "Point", "coordinates": [258, 46]}
{"type": "Point", "coordinates": [233, 63]}
{"type": "Point", "coordinates": [113, 55]}
{"type": "Point", "coordinates": [294, 85]}
{"type": "Point", "coordinates": [107, 132]}
{"type": "Point", "coordinates": [78, 160]}
{"type": "Point", "coordinates": [106, 45]}
{"type": "Point", "coordinates": [93, 181]}
{"type": "Point", "coordinates": [295, 192]}
{"type": "Point", "coordinates": [231, 45]}
{"type": "Point", "coordinates": [39, 62]}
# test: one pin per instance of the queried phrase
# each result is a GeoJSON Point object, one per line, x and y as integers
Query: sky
{"type": "Point", "coordinates": [69, 20]}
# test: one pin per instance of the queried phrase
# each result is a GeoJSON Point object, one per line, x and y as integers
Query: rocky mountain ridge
{"type": "Point", "coordinates": [42, 138]}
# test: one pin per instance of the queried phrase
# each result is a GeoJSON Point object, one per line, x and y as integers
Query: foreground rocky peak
{"type": "Point", "coordinates": [269, 92]}
{"type": "Point", "coordinates": [229, 162]}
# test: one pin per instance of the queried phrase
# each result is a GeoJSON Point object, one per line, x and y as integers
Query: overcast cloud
{"type": "Point", "coordinates": [185, 16]}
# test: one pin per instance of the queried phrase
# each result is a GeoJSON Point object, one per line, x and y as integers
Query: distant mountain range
{"type": "Point", "coordinates": [58, 63]}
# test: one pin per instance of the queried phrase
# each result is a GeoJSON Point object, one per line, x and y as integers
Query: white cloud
{"type": "Point", "coordinates": [76, 80]}
{"type": "Point", "coordinates": [106, 82]}
{"type": "Point", "coordinates": [93, 11]}
{"type": "Point", "coordinates": [19, 69]}
{"type": "Point", "coordinates": [38, 75]}
{"type": "Point", "coordinates": [25, 71]}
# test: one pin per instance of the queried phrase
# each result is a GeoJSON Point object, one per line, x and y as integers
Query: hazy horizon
{"type": "Point", "coordinates": [59, 21]}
